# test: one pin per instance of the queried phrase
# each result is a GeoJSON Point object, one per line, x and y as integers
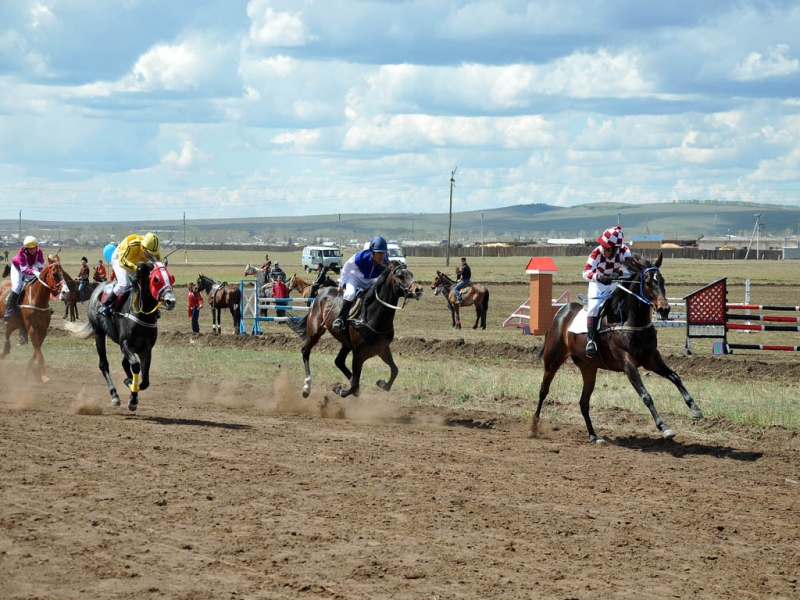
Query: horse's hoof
{"type": "Point", "coordinates": [668, 434]}
{"type": "Point", "coordinates": [45, 379]}
{"type": "Point", "coordinates": [383, 385]}
{"type": "Point", "coordinates": [115, 401]}
{"type": "Point", "coordinates": [306, 391]}
{"type": "Point", "coordinates": [596, 439]}
{"type": "Point", "coordinates": [697, 414]}
{"type": "Point", "coordinates": [133, 405]}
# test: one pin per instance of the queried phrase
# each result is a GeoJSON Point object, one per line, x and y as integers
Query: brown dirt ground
{"type": "Point", "coordinates": [232, 491]}
{"type": "Point", "coordinates": [241, 492]}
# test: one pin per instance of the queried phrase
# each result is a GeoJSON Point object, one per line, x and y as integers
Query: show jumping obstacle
{"type": "Point", "coordinates": [252, 304]}
{"type": "Point", "coordinates": [708, 316]}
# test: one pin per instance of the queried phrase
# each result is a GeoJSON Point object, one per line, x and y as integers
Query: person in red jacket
{"type": "Point", "coordinates": [279, 290]}
{"type": "Point", "coordinates": [195, 304]}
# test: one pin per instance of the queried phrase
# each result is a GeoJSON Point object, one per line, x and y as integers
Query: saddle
{"type": "Point", "coordinates": [117, 303]}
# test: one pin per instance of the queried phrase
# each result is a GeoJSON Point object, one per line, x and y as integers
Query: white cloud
{"type": "Point", "coordinates": [186, 159]}
{"type": "Point", "coordinates": [416, 131]}
{"type": "Point", "coordinates": [775, 63]}
{"type": "Point", "coordinates": [271, 28]}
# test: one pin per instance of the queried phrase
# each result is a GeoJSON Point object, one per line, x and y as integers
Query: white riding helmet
{"type": "Point", "coordinates": [30, 242]}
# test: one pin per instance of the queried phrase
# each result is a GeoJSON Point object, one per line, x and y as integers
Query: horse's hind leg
{"type": "Point", "coordinates": [552, 357]}
{"type": "Point", "coordinates": [100, 344]}
{"type": "Point", "coordinates": [659, 367]}
{"type": "Point", "coordinates": [306, 352]}
{"type": "Point", "coordinates": [386, 356]}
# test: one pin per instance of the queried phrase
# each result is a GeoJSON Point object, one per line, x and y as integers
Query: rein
{"type": "Point", "coordinates": [647, 301]}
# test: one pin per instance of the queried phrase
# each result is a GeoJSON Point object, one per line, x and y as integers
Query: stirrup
{"type": "Point", "coordinates": [591, 348]}
{"type": "Point", "coordinates": [337, 325]}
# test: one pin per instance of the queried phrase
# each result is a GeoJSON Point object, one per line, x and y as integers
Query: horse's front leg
{"type": "Point", "coordinates": [659, 367]}
{"type": "Point", "coordinates": [386, 356]}
{"type": "Point", "coordinates": [36, 342]}
{"type": "Point", "coordinates": [457, 317]}
{"type": "Point", "coordinates": [145, 360]}
{"type": "Point", "coordinates": [477, 316]}
{"type": "Point", "coordinates": [632, 371]}
{"type": "Point", "coordinates": [340, 362]}
{"type": "Point", "coordinates": [132, 368]}
{"type": "Point", "coordinates": [100, 344]}
{"type": "Point", "coordinates": [589, 373]}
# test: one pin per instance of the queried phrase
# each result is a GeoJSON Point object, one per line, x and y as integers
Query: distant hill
{"type": "Point", "coordinates": [523, 222]}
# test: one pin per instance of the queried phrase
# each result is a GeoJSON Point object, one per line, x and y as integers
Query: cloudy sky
{"type": "Point", "coordinates": [231, 108]}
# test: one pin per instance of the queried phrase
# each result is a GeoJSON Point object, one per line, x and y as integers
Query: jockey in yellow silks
{"type": "Point", "coordinates": [133, 249]}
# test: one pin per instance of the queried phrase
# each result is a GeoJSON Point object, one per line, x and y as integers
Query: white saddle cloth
{"type": "Point", "coordinates": [578, 324]}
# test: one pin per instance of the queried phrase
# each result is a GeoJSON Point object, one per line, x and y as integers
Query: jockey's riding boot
{"type": "Point", "coordinates": [10, 304]}
{"type": "Point", "coordinates": [344, 313]}
{"type": "Point", "coordinates": [591, 346]}
{"type": "Point", "coordinates": [108, 305]}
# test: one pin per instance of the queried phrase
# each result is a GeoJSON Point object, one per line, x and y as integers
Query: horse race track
{"type": "Point", "coordinates": [237, 492]}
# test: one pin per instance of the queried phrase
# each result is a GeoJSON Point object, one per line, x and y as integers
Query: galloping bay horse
{"type": "Point", "coordinates": [133, 325]}
{"type": "Point", "coordinates": [474, 293]}
{"type": "Point", "coordinates": [221, 295]}
{"type": "Point", "coordinates": [626, 341]}
{"type": "Point", "coordinates": [372, 337]}
{"type": "Point", "coordinates": [33, 311]}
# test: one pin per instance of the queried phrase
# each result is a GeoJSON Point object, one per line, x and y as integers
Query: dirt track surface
{"type": "Point", "coordinates": [238, 492]}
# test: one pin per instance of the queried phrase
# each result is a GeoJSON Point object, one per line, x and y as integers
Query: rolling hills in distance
{"type": "Point", "coordinates": [524, 222]}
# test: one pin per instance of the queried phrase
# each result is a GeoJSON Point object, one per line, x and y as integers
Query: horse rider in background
{"type": "Point", "coordinates": [604, 267]}
{"type": "Point", "coordinates": [133, 249]}
{"type": "Point", "coordinates": [27, 264]}
{"type": "Point", "coordinates": [83, 278]}
{"type": "Point", "coordinates": [359, 273]}
{"type": "Point", "coordinates": [99, 272]}
{"type": "Point", "coordinates": [322, 275]}
{"type": "Point", "coordinates": [464, 278]}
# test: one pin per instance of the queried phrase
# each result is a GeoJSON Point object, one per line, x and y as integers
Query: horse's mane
{"type": "Point", "coordinates": [616, 307]}
{"type": "Point", "coordinates": [373, 291]}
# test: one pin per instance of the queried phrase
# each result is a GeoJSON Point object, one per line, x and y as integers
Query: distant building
{"type": "Point", "coordinates": [566, 242]}
{"type": "Point", "coordinates": [646, 242]}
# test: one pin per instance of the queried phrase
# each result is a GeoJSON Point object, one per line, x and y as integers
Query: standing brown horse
{"type": "Point", "coordinates": [299, 284]}
{"type": "Point", "coordinates": [371, 336]}
{"type": "Point", "coordinates": [221, 295]}
{"type": "Point", "coordinates": [69, 294]}
{"type": "Point", "coordinates": [626, 341]}
{"type": "Point", "coordinates": [474, 293]}
{"type": "Point", "coordinates": [33, 311]}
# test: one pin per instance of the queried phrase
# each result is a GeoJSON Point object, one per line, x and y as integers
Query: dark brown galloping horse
{"type": "Point", "coordinates": [474, 293]}
{"type": "Point", "coordinates": [626, 341]}
{"type": "Point", "coordinates": [33, 311]}
{"type": "Point", "coordinates": [372, 337]}
{"type": "Point", "coordinates": [221, 295]}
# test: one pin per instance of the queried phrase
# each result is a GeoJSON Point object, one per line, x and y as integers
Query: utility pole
{"type": "Point", "coordinates": [483, 240]}
{"type": "Point", "coordinates": [754, 235]}
{"type": "Point", "coordinates": [450, 221]}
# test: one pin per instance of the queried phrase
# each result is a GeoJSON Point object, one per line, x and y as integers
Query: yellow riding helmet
{"type": "Point", "coordinates": [30, 242]}
{"type": "Point", "coordinates": [150, 243]}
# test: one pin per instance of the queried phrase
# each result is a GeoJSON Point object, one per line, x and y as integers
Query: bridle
{"type": "Point", "coordinates": [640, 295]}
{"type": "Point", "coordinates": [395, 284]}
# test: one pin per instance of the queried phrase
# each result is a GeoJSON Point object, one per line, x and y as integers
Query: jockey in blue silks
{"type": "Point", "coordinates": [359, 273]}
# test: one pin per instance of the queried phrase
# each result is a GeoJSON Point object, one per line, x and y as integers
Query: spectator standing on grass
{"type": "Point", "coordinates": [277, 272]}
{"type": "Point", "coordinates": [603, 268]}
{"type": "Point", "coordinates": [195, 304]}
{"type": "Point", "coordinates": [279, 292]}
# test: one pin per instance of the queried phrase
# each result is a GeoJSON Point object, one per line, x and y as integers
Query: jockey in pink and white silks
{"type": "Point", "coordinates": [604, 266]}
{"type": "Point", "coordinates": [26, 265]}
{"type": "Point", "coordinates": [359, 273]}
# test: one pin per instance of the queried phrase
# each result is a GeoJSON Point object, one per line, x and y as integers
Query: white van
{"type": "Point", "coordinates": [329, 256]}
{"type": "Point", "coordinates": [395, 253]}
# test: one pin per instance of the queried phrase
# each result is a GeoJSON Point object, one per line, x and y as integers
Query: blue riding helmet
{"type": "Point", "coordinates": [378, 244]}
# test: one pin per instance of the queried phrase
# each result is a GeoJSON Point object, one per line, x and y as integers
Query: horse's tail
{"type": "Point", "coordinates": [486, 301]}
{"type": "Point", "coordinates": [80, 331]}
{"type": "Point", "coordinates": [299, 326]}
